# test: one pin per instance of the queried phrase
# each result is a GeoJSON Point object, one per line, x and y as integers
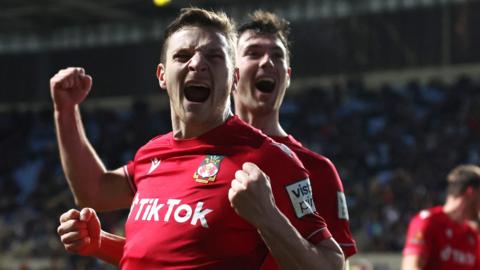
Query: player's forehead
{"type": "Point", "coordinates": [252, 39]}
{"type": "Point", "coordinates": [197, 38]}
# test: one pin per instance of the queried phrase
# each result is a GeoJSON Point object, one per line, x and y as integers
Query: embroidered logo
{"type": "Point", "coordinates": [208, 169]}
{"type": "Point", "coordinates": [417, 238]}
{"type": "Point", "coordinates": [155, 164]}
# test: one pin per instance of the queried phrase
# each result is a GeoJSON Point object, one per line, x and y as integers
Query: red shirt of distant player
{"type": "Point", "coordinates": [181, 217]}
{"type": "Point", "coordinates": [328, 194]}
{"type": "Point", "coordinates": [442, 242]}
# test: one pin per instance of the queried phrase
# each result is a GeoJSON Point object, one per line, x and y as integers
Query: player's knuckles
{"type": "Point", "coordinates": [71, 237]}
{"type": "Point", "coordinates": [250, 167]}
{"type": "Point", "coordinates": [67, 82]}
{"type": "Point", "coordinates": [66, 239]}
{"type": "Point", "coordinates": [68, 70]}
{"type": "Point", "coordinates": [72, 213]}
{"type": "Point", "coordinates": [66, 227]}
{"type": "Point", "coordinates": [254, 175]}
{"type": "Point", "coordinates": [72, 248]}
{"type": "Point", "coordinates": [75, 235]}
{"type": "Point", "coordinates": [237, 185]}
{"type": "Point", "coordinates": [238, 174]}
{"type": "Point", "coordinates": [54, 80]}
{"type": "Point", "coordinates": [73, 226]}
{"type": "Point", "coordinates": [60, 230]}
{"type": "Point", "coordinates": [55, 83]}
{"type": "Point", "coordinates": [241, 175]}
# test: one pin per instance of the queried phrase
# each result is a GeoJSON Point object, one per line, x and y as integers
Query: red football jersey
{"type": "Point", "coordinates": [444, 243]}
{"type": "Point", "coordinates": [328, 193]}
{"type": "Point", "coordinates": [181, 218]}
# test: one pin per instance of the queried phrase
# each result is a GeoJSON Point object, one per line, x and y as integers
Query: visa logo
{"type": "Point", "coordinates": [301, 196]}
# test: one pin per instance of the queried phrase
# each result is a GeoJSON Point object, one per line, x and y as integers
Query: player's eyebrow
{"type": "Point", "coordinates": [274, 47]}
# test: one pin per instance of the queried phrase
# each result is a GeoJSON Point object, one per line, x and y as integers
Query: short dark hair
{"type": "Point", "coordinates": [266, 23]}
{"type": "Point", "coordinates": [462, 177]}
{"type": "Point", "coordinates": [194, 16]}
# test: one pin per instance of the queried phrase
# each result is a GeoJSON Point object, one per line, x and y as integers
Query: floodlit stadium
{"type": "Point", "coordinates": [389, 91]}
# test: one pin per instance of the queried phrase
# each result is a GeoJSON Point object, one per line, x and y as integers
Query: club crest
{"type": "Point", "coordinates": [208, 169]}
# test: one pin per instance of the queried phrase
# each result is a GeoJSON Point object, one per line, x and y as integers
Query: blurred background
{"type": "Point", "coordinates": [389, 90]}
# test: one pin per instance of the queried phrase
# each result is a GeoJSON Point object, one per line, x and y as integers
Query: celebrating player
{"type": "Point", "coordinates": [263, 59]}
{"type": "Point", "coordinates": [185, 209]}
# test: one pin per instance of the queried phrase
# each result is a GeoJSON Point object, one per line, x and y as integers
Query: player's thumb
{"type": "Point", "coordinates": [86, 83]}
{"type": "Point", "coordinates": [93, 223]}
{"type": "Point", "coordinates": [86, 214]}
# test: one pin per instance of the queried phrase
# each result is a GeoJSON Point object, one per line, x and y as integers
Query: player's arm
{"type": "Point", "coordinates": [251, 197]}
{"type": "Point", "coordinates": [91, 183]}
{"type": "Point", "coordinates": [417, 244]}
{"type": "Point", "coordinates": [80, 233]}
{"type": "Point", "coordinates": [413, 262]}
{"type": "Point", "coordinates": [292, 251]}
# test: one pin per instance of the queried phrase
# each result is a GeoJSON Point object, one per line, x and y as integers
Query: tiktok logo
{"type": "Point", "coordinates": [151, 209]}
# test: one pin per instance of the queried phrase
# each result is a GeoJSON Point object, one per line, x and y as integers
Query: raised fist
{"type": "Point", "coordinates": [69, 87]}
{"type": "Point", "coordinates": [251, 195]}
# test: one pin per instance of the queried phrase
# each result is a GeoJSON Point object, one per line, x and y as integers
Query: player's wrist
{"type": "Point", "coordinates": [96, 244]}
{"type": "Point", "coordinates": [267, 218]}
{"type": "Point", "coordinates": [58, 107]}
{"type": "Point", "coordinates": [65, 113]}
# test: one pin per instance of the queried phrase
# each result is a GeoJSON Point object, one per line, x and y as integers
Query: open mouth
{"type": "Point", "coordinates": [196, 93]}
{"type": "Point", "coordinates": [265, 85]}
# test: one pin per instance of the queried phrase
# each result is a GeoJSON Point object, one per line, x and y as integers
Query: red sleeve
{"type": "Point", "coordinates": [418, 240]}
{"type": "Point", "coordinates": [331, 202]}
{"type": "Point", "coordinates": [292, 191]}
{"type": "Point", "coordinates": [477, 262]}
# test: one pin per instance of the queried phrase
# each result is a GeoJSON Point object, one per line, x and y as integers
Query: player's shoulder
{"type": "Point", "coordinates": [305, 154]}
{"type": "Point", "coordinates": [156, 142]}
{"type": "Point", "coordinates": [429, 215]}
{"type": "Point", "coordinates": [159, 139]}
{"type": "Point", "coordinates": [241, 133]}
{"type": "Point", "coordinates": [277, 149]}
{"type": "Point", "coordinates": [277, 156]}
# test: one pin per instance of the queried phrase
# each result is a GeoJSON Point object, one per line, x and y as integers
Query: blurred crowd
{"type": "Point", "coordinates": [392, 147]}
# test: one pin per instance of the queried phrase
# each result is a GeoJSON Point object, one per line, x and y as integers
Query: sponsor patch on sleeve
{"type": "Point", "coordinates": [300, 194]}
{"type": "Point", "coordinates": [342, 206]}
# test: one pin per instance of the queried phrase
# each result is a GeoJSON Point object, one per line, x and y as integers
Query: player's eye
{"type": "Point", "coordinates": [253, 54]}
{"type": "Point", "coordinates": [216, 55]}
{"type": "Point", "coordinates": [278, 54]}
{"type": "Point", "coordinates": [182, 56]}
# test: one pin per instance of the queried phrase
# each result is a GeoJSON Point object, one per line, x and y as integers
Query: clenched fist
{"type": "Point", "coordinates": [251, 195]}
{"type": "Point", "coordinates": [79, 231]}
{"type": "Point", "coordinates": [69, 87]}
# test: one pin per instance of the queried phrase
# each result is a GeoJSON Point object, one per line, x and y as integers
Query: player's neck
{"type": "Point", "coordinates": [268, 123]}
{"type": "Point", "coordinates": [187, 130]}
{"type": "Point", "coordinates": [455, 208]}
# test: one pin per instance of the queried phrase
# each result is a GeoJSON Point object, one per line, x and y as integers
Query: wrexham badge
{"type": "Point", "coordinates": [208, 169]}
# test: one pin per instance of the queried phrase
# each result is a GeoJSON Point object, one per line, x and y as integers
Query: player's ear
{"type": "Point", "coordinates": [161, 76]}
{"type": "Point", "coordinates": [289, 74]}
{"type": "Point", "coordinates": [470, 191]}
{"type": "Point", "coordinates": [236, 77]}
